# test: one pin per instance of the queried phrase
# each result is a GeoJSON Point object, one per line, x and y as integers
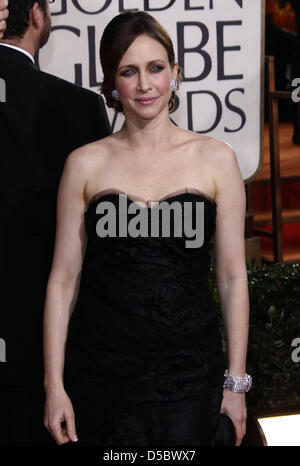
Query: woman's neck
{"type": "Point", "coordinates": [148, 135]}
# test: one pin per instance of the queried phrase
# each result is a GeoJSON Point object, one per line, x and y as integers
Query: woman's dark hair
{"type": "Point", "coordinates": [117, 38]}
{"type": "Point", "coordinates": [18, 20]}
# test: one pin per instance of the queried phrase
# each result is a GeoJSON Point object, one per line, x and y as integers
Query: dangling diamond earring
{"type": "Point", "coordinates": [115, 94]}
{"type": "Point", "coordinates": [174, 85]}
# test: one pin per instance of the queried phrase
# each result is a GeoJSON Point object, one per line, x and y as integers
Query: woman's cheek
{"type": "Point", "coordinates": [125, 87]}
{"type": "Point", "coordinates": [165, 83]}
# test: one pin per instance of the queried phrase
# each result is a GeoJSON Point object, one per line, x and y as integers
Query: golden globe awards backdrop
{"type": "Point", "coordinates": [218, 43]}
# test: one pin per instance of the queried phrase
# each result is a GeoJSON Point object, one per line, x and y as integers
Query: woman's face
{"type": "Point", "coordinates": [143, 78]}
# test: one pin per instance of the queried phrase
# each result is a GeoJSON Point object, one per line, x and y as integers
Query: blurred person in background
{"type": "Point", "coordinates": [283, 44]}
{"type": "Point", "coordinates": [43, 119]}
{"type": "Point", "coordinates": [295, 4]}
{"type": "Point", "coordinates": [3, 16]}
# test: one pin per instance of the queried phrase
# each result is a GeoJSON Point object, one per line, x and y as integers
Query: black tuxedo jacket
{"type": "Point", "coordinates": [43, 119]}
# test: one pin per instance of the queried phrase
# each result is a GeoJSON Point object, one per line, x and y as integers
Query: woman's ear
{"type": "Point", "coordinates": [175, 70]}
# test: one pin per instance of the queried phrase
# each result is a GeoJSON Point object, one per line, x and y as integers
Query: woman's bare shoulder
{"type": "Point", "coordinates": [85, 157]}
{"type": "Point", "coordinates": [211, 149]}
{"type": "Point", "coordinates": [225, 167]}
{"type": "Point", "coordinates": [214, 150]}
{"type": "Point", "coordinates": [219, 153]}
{"type": "Point", "coordinates": [221, 158]}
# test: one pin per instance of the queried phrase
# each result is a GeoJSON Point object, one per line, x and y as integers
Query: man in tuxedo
{"type": "Point", "coordinates": [3, 16]}
{"type": "Point", "coordinates": [42, 120]}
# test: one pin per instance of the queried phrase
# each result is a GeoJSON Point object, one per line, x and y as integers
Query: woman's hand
{"type": "Point", "coordinates": [3, 16]}
{"type": "Point", "coordinates": [59, 409]}
{"type": "Point", "coordinates": [234, 405]}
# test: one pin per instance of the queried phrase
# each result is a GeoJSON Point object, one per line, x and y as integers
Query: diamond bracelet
{"type": "Point", "coordinates": [237, 384]}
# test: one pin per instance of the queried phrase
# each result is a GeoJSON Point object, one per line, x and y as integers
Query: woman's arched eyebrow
{"type": "Point", "coordinates": [131, 65]}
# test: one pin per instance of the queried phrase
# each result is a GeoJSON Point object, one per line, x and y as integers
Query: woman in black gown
{"type": "Point", "coordinates": [132, 348]}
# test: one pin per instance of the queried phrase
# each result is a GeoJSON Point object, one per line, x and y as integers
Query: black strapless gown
{"type": "Point", "coordinates": [144, 362]}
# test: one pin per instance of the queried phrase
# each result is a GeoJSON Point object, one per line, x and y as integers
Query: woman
{"type": "Point", "coordinates": [140, 361]}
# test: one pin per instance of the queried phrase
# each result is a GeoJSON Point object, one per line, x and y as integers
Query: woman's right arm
{"type": "Point", "coordinates": [61, 295]}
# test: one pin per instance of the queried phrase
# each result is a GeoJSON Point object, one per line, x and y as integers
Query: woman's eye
{"type": "Point", "coordinates": [127, 73]}
{"type": "Point", "coordinates": [157, 68]}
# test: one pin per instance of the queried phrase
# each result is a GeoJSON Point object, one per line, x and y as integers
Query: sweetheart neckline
{"type": "Point", "coordinates": [134, 198]}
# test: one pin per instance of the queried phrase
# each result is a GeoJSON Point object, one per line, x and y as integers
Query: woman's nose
{"type": "Point", "coordinates": [144, 83]}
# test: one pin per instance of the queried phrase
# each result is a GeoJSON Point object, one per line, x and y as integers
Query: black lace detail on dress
{"type": "Point", "coordinates": [122, 429]}
{"type": "Point", "coordinates": [172, 305]}
{"type": "Point", "coordinates": [185, 372]}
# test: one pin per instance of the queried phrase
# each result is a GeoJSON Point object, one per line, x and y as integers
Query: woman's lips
{"type": "Point", "coordinates": [146, 101]}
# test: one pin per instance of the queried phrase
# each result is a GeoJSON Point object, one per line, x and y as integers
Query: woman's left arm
{"type": "Point", "coordinates": [232, 279]}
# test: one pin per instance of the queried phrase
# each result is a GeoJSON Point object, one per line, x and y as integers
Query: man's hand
{"type": "Point", "coordinates": [3, 15]}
